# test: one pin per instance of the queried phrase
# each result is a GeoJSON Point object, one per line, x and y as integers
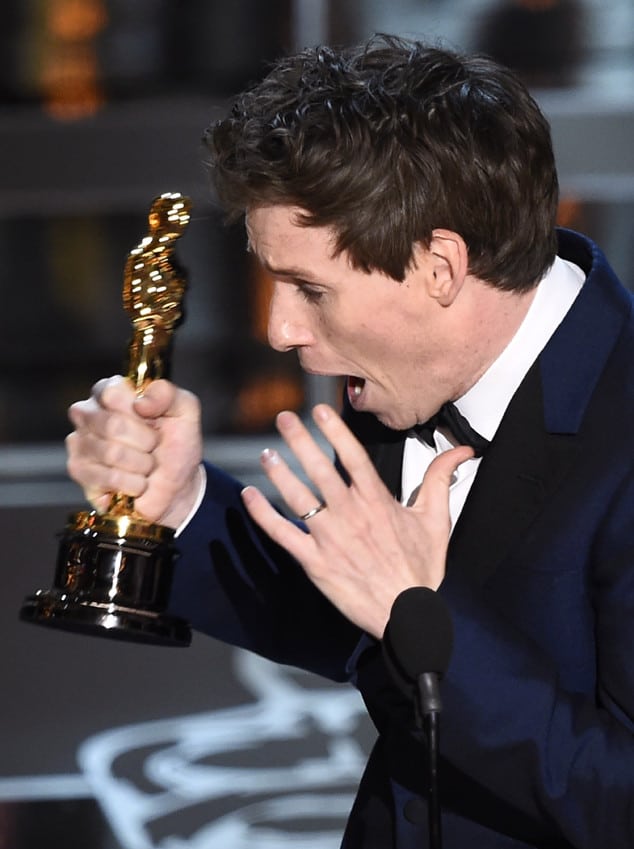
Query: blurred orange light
{"type": "Point", "coordinates": [569, 210]}
{"type": "Point", "coordinates": [70, 73]}
{"type": "Point", "coordinates": [76, 20]}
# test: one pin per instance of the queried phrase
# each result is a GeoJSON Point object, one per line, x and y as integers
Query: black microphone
{"type": "Point", "coordinates": [417, 646]}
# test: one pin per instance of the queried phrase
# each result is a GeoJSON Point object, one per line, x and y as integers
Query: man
{"type": "Point", "coordinates": [404, 201]}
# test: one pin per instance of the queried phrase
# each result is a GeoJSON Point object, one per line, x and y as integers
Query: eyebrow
{"type": "Point", "coordinates": [301, 275]}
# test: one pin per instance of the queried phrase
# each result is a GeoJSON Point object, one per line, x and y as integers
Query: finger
{"type": "Point", "coordinates": [134, 458]}
{"type": "Point", "coordinates": [107, 448]}
{"type": "Point", "coordinates": [317, 465]}
{"type": "Point", "coordinates": [351, 453]}
{"type": "Point", "coordinates": [97, 479]}
{"type": "Point", "coordinates": [157, 399]}
{"type": "Point", "coordinates": [299, 498]}
{"type": "Point", "coordinates": [100, 501]}
{"type": "Point", "coordinates": [79, 412]}
{"type": "Point", "coordinates": [109, 414]}
{"type": "Point", "coordinates": [298, 543]}
{"type": "Point", "coordinates": [114, 393]}
{"type": "Point", "coordinates": [433, 494]}
{"type": "Point", "coordinates": [110, 430]}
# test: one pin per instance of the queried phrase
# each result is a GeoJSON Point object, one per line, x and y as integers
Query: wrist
{"type": "Point", "coordinates": [182, 510]}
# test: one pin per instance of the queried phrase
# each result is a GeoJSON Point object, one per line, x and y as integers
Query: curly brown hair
{"type": "Point", "coordinates": [386, 142]}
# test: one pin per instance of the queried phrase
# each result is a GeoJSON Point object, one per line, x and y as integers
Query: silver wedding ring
{"type": "Point", "coordinates": [317, 509]}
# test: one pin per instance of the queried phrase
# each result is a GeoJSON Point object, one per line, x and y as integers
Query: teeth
{"type": "Point", "coordinates": [356, 385]}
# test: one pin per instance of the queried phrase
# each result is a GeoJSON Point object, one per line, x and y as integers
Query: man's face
{"type": "Point", "coordinates": [381, 335]}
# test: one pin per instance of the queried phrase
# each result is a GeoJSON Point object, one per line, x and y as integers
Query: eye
{"type": "Point", "coordinates": [309, 292]}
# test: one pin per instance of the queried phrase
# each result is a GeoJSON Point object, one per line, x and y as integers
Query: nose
{"type": "Point", "coordinates": [288, 325]}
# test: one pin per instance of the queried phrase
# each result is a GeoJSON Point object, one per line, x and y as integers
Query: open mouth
{"type": "Point", "coordinates": [355, 388]}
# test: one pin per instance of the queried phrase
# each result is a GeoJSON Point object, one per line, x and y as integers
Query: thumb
{"type": "Point", "coordinates": [433, 493]}
{"type": "Point", "coordinates": [162, 398]}
{"type": "Point", "coordinates": [156, 400]}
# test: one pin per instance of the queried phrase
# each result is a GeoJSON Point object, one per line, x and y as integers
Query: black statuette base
{"type": "Point", "coordinates": [58, 610]}
{"type": "Point", "coordinates": [113, 580]}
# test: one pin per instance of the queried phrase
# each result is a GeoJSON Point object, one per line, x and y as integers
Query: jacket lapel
{"type": "Point", "coordinates": [523, 465]}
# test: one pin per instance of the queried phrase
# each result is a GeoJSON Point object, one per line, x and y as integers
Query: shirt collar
{"type": "Point", "coordinates": [485, 403]}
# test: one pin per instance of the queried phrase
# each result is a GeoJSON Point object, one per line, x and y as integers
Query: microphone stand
{"type": "Point", "coordinates": [429, 707]}
{"type": "Point", "coordinates": [419, 636]}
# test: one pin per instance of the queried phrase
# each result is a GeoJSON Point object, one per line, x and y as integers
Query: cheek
{"type": "Point", "coordinates": [363, 332]}
{"type": "Point", "coordinates": [338, 330]}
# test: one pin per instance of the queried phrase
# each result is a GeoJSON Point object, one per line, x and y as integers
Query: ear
{"type": "Point", "coordinates": [447, 262]}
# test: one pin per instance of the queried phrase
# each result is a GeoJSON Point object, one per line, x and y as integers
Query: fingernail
{"type": "Point", "coordinates": [248, 494]}
{"type": "Point", "coordinates": [269, 457]}
{"type": "Point", "coordinates": [321, 412]}
{"type": "Point", "coordinates": [284, 418]}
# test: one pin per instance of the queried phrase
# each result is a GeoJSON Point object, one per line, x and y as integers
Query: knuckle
{"type": "Point", "coordinates": [114, 426]}
{"type": "Point", "coordinates": [74, 468]}
{"type": "Point", "coordinates": [77, 411]}
{"type": "Point", "coordinates": [114, 393]}
{"type": "Point", "coordinates": [120, 481]}
{"type": "Point", "coordinates": [70, 442]}
{"type": "Point", "coordinates": [113, 454]}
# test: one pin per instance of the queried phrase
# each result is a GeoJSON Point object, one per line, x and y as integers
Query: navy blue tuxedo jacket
{"type": "Point", "coordinates": [537, 741]}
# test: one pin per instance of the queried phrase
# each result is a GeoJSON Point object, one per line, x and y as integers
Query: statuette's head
{"type": "Point", "coordinates": [154, 285]}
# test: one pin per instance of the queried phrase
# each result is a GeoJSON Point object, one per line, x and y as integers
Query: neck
{"type": "Point", "coordinates": [498, 317]}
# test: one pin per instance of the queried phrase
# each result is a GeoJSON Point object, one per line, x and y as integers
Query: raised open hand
{"type": "Point", "coordinates": [364, 547]}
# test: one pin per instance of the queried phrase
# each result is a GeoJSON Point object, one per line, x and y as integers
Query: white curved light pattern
{"type": "Point", "coordinates": [191, 763]}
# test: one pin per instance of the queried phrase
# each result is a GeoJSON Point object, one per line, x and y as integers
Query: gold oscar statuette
{"type": "Point", "coordinates": [114, 569]}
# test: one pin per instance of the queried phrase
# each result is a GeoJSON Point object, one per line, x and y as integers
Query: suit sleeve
{"type": "Point", "coordinates": [233, 583]}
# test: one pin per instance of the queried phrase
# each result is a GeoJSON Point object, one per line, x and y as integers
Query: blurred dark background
{"type": "Point", "coordinates": [102, 107]}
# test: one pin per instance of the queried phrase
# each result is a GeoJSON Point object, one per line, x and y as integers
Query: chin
{"type": "Point", "coordinates": [391, 422]}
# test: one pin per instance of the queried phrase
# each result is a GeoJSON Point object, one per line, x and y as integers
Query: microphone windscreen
{"type": "Point", "coordinates": [419, 635]}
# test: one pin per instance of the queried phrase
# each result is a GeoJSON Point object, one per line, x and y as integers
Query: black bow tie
{"type": "Point", "coordinates": [450, 418]}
